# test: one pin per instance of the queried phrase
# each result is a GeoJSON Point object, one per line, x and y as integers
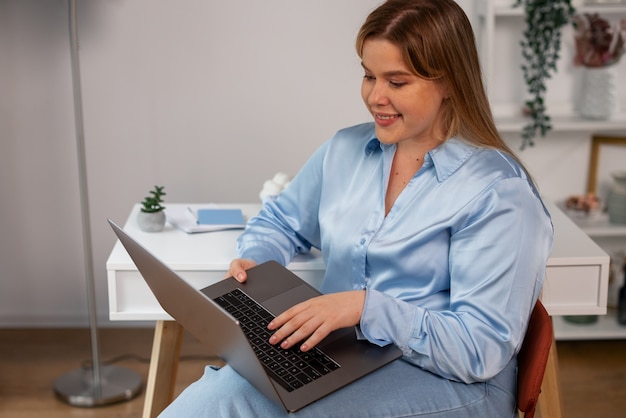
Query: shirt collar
{"type": "Point", "coordinates": [446, 158]}
{"type": "Point", "coordinates": [449, 156]}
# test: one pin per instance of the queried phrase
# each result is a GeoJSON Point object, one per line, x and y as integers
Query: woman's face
{"type": "Point", "coordinates": [405, 107]}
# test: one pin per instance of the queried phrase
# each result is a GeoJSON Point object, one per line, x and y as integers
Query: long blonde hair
{"type": "Point", "coordinates": [437, 43]}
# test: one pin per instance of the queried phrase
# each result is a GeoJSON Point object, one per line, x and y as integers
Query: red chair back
{"type": "Point", "coordinates": [532, 359]}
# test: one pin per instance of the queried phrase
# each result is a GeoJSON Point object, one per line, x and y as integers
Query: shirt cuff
{"type": "Point", "coordinates": [387, 320]}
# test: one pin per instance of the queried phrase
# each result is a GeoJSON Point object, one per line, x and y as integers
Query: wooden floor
{"type": "Point", "coordinates": [593, 373]}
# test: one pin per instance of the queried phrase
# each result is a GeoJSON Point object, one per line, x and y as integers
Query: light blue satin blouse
{"type": "Point", "coordinates": [451, 273]}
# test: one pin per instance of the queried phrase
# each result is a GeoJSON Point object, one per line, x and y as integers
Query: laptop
{"type": "Point", "coordinates": [231, 319]}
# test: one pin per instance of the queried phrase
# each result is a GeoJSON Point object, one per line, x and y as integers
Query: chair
{"type": "Point", "coordinates": [532, 359]}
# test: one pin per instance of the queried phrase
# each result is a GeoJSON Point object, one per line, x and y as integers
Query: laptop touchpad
{"type": "Point", "coordinates": [280, 303]}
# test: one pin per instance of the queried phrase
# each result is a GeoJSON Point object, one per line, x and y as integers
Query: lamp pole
{"type": "Point", "coordinates": [95, 385]}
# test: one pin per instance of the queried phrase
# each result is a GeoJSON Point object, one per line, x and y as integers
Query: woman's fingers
{"type": "Point", "coordinates": [311, 321]}
{"type": "Point", "coordinates": [238, 269]}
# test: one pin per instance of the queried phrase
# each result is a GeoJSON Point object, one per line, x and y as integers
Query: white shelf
{"type": "Point", "coordinates": [504, 8]}
{"type": "Point", "coordinates": [606, 328]}
{"type": "Point", "coordinates": [565, 123]}
{"type": "Point", "coordinates": [598, 225]}
{"type": "Point", "coordinates": [488, 14]}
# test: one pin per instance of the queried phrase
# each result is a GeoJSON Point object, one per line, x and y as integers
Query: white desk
{"type": "Point", "coordinates": [576, 284]}
{"type": "Point", "coordinates": [201, 259]}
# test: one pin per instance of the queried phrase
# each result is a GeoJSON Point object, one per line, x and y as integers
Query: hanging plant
{"type": "Point", "coordinates": [541, 46]}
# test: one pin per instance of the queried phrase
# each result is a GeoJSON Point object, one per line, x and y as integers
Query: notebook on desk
{"type": "Point", "coordinates": [231, 319]}
{"type": "Point", "coordinates": [194, 219]}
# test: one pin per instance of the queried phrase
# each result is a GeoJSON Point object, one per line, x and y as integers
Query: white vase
{"type": "Point", "coordinates": [616, 201]}
{"type": "Point", "coordinates": [151, 222]}
{"type": "Point", "coordinates": [599, 93]}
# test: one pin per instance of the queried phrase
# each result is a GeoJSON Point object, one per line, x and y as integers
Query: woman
{"type": "Point", "coordinates": [433, 234]}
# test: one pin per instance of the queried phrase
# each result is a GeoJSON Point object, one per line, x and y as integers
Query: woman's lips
{"type": "Point", "coordinates": [385, 119]}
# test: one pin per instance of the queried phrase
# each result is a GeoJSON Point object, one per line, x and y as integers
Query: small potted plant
{"type": "Point", "coordinates": [151, 217]}
{"type": "Point", "coordinates": [599, 46]}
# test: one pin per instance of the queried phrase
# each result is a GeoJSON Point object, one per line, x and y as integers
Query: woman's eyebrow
{"type": "Point", "coordinates": [393, 73]}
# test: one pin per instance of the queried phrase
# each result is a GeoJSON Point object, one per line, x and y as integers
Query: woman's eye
{"type": "Point", "coordinates": [368, 77]}
{"type": "Point", "coordinates": [397, 84]}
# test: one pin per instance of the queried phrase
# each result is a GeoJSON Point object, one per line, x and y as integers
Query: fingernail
{"type": "Point", "coordinates": [240, 276]}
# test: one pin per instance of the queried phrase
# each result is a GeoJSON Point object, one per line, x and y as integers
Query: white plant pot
{"type": "Point", "coordinates": [599, 96]}
{"type": "Point", "coordinates": [151, 222]}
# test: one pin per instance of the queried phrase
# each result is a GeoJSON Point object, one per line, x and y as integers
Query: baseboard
{"type": "Point", "coordinates": [61, 321]}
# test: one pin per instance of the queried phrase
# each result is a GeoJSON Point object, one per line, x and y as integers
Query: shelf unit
{"type": "Point", "coordinates": [487, 15]}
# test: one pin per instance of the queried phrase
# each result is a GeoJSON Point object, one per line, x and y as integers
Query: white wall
{"type": "Point", "coordinates": [206, 98]}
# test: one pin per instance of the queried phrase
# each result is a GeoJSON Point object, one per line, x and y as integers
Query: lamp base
{"type": "Point", "coordinates": [117, 384]}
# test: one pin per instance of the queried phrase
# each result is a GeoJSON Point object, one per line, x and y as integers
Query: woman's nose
{"type": "Point", "coordinates": [377, 95]}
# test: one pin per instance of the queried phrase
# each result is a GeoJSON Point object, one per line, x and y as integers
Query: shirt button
{"type": "Point", "coordinates": [362, 241]}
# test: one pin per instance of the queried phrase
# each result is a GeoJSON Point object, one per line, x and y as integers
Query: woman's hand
{"type": "Point", "coordinates": [238, 269]}
{"type": "Point", "coordinates": [315, 318]}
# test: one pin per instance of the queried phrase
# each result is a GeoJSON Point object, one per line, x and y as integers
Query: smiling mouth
{"type": "Point", "coordinates": [387, 117]}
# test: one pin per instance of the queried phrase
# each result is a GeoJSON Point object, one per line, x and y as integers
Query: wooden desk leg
{"type": "Point", "coordinates": [550, 404]}
{"type": "Point", "coordinates": [168, 338]}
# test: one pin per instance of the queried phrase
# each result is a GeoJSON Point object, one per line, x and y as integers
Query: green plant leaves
{"type": "Point", "coordinates": [152, 203]}
{"type": "Point", "coordinates": [541, 45]}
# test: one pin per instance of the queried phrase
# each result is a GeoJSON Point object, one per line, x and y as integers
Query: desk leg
{"type": "Point", "coordinates": [550, 404]}
{"type": "Point", "coordinates": [168, 338]}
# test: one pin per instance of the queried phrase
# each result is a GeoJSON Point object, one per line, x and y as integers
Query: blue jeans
{"type": "Point", "coordinates": [399, 389]}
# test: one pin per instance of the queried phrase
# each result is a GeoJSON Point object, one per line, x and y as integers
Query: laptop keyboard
{"type": "Point", "coordinates": [291, 368]}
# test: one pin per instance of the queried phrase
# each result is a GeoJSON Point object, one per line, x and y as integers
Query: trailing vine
{"type": "Point", "coordinates": [541, 46]}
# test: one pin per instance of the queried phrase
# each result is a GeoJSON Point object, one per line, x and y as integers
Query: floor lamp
{"type": "Point", "coordinates": [95, 385]}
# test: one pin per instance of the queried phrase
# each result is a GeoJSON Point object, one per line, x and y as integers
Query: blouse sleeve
{"type": "Point", "coordinates": [497, 265]}
{"type": "Point", "coordinates": [287, 224]}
